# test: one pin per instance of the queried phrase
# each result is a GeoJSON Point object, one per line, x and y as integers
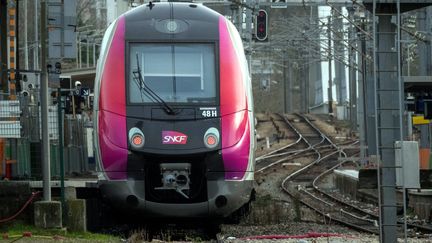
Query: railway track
{"type": "Point", "coordinates": [299, 147]}
{"type": "Point", "coordinates": [284, 131]}
{"type": "Point", "coordinates": [273, 133]}
{"type": "Point", "coordinates": [304, 185]}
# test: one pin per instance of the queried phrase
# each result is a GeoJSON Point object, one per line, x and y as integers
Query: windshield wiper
{"type": "Point", "coordinates": [150, 93]}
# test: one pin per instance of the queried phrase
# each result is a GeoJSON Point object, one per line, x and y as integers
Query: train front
{"type": "Point", "coordinates": [174, 113]}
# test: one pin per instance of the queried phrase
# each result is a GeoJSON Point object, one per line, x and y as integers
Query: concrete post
{"type": "Point", "coordinates": [285, 80]}
{"type": "Point", "coordinates": [76, 215]}
{"type": "Point", "coordinates": [249, 20]}
{"type": "Point", "coordinates": [289, 86]}
{"type": "Point", "coordinates": [330, 79]}
{"type": "Point", "coordinates": [70, 193]}
{"type": "Point", "coordinates": [361, 111]}
{"type": "Point", "coordinates": [352, 76]}
{"type": "Point", "coordinates": [340, 77]}
{"type": "Point", "coordinates": [304, 87]}
{"type": "Point", "coordinates": [315, 73]}
{"type": "Point", "coordinates": [48, 214]}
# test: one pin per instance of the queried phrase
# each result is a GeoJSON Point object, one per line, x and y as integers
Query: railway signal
{"type": "Point", "coordinates": [261, 25]}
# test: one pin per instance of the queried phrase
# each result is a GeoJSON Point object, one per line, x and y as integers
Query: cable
{"type": "Point", "coordinates": [33, 195]}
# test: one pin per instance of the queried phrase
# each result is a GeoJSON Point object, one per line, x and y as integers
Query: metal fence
{"type": "Point", "coordinates": [21, 145]}
{"type": "Point", "coordinates": [10, 126]}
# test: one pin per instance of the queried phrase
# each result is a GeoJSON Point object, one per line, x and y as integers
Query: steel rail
{"type": "Point", "coordinates": [316, 162]}
{"type": "Point", "coordinates": [295, 152]}
{"type": "Point", "coordinates": [267, 155]}
{"type": "Point", "coordinates": [354, 207]}
{"type": "Point", "coordinates": [299, 153]}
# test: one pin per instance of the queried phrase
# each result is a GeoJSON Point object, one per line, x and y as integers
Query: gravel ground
{"type": "Point", "coordinates": [334, 128]}
{"type": "Point", "coordinates": [341, 239]}
{"type": "Point", "coordinates": [271, 184]}
{"type": "Point", "coordinates": [265, 128]}
{"type": "Point", "coordinates": [234, 233]}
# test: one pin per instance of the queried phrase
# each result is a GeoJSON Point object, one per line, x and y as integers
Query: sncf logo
{"type": "Point", "coordinates": [173, 137]}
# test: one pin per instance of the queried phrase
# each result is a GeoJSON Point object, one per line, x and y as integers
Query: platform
{"type": "Point", "coordinates": [347, 182]}
{"type": "Point", "coordinates": [368, 178]}
{"type": "Point", "coordinates": [417, 83]}
{"type": "Point", "coordinates": [353, 174]}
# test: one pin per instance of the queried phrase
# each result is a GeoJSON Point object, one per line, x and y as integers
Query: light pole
{"type": "Point", "coordinates": [46, 173]}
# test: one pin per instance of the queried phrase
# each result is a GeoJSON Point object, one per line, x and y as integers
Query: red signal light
{"type": "Point", "coordinates": [261, 25]}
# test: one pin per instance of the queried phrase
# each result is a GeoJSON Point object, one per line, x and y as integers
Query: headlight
{"type": "Point", "coordinates": [136, 138]}
{"type": "Point", "coordinates": [211, 137]}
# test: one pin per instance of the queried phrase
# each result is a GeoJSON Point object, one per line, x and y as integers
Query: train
{"type": "Point", "coordinates": [173, 107]}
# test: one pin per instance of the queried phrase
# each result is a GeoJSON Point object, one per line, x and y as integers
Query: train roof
{"type": "Point", "coordinates": [167, 20]}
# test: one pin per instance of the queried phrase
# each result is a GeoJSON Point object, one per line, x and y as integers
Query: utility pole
{"type": "Point", "coordinates": [352, 75]}
{"type": "Point", "coordinates": [13, 69]}
{"type": "Point", "coordinates": [87, 52]}
{"type": "Point", "coordinates": [249, 19]}
{"type": "Point", "coordinates": [13, 58]}
{"type": "Point", "coordinates": [36, 37]}
{"type": "Point", "coordinates": [94, 52]}
{"type": "Point", "coordinates": [26, 61]}
{"type": "Point", "coordinates": [305, 89]}
{"type": "Point", "coordinates": [362, 105]}
{"type": "Point", "coordinates": [14, 65]}
{"type": "Point", "coordinates": [330, 81]}
{"type": "Point", "coordinates": [339, 49]}
{"type": "Point", "coordinates": [46, 173]}
{"type": "Point", "coordinates": [285, 66]}
{"type": "Point", "coordinates": [3, 46]}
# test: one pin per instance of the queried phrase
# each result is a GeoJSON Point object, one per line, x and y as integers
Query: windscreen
{"type": "Point", "coordinates": [176, 72]}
